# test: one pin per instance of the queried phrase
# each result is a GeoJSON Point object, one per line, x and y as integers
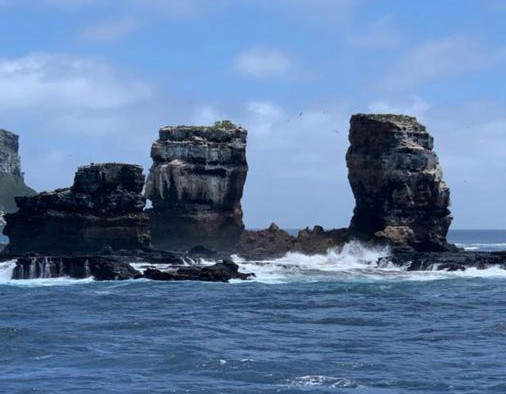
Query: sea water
{"type": "Point", "coordinates": [323, 324]}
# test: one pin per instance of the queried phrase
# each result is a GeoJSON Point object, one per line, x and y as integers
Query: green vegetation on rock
{"type": "Point", "coordinates": [225, 125]}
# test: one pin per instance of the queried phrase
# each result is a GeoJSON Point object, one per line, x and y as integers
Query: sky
{"type": "Point", "coordinates": [87, 81]}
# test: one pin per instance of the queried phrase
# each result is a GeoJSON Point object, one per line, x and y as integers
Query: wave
{"type": "Point", "coordinates": [477, 246]}
{"type": "Point", "coordinates": [7, 268]}
{"type": "Point", "coordinates": [353, 262]}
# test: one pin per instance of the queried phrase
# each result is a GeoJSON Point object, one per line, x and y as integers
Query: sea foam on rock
{"type": "Point", "coordinates": [195, 184]}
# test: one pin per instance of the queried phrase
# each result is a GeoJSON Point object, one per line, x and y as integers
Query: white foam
{"type": "Point", "coordinates": [7, 268]}
{"type": "Point", "coordinates": [323, 381]}
{"type": "Point", "coordinates": [483, 246]}
{"type": "Point", "coordinates": [353, 262]}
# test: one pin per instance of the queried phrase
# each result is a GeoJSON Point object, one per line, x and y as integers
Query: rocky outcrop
{"type": "Point", "coordinates": [11, 177]}
{"type": "Point", "coordinates": [102, 210]}
{"type": "Point", "coordinates": [219, 272]}
{"type": "Point", "coordinates": [115, 267]}
{"type": "Point", "coordinates": [196, 184]}
{"type": "Point", "coordinates": [100, 268]}
{"type": "Point", "coordinates": [447, 261]}
{"type": "Point", "coordinates": [318, 240]}
{"type": "Point", "coordinates": [274, 242]}
{"type": "Point", "coordinates": [397, 183]}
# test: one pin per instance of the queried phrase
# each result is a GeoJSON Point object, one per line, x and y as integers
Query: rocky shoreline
{"type": "Point", "coordinates": [100, 227]}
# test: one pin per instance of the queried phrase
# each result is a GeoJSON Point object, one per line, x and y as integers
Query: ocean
{"type": "Point", "coordinates": [320, 324]}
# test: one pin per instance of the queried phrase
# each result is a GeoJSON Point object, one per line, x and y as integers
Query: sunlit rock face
{"type": "Point", "coordinates": [397, 182]}
{"type": "Point", "coordinates": [195, 185]}
{"type": "Point", "coordinates": [102, 211]}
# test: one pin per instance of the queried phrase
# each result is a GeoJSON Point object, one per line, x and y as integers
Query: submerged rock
{"type": "Point", "coordinates": [102, 210]}
{"type": "Point", "coordinates": [12, 182]}
{"type": "Point", "coordinates": [196, 184]}
{"type": "Point", "coordinates": [397, 183]}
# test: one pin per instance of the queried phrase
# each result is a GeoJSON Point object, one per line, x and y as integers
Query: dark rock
{"type": "Point", "coordinates": [265, 244]}
{"type": "Point", "coordinates": [155, 274]}
{"type": "Point", "coordinates": [73, 267]}
{"type": "Point", "coordinates": [196, 184]}
{"type": "Point", "coordinates": [319, 241]}
{"type": "Point", "coordinates": [102, 211]}
{"type": "Point", "coordinates": [202, 251]}
{"type": "Point", "coordinates": [450, 261]}
{"type": "Point", "coordinates": [397, 183]}
{"type": "Point", "coordinates": [219, 272]}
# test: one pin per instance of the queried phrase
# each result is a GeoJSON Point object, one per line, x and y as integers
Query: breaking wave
{"type": "Point", "coordinates": [353, 262]}
{"type": "Point", "coordinates": [7, 268]}
{"type": "Point", "coordinates": [489, 247]}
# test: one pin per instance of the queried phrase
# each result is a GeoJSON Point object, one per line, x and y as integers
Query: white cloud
{"type": "Point", "coordinates": [110, 30]}
{"type": "Point", "coordinates": [263, 63]}
{"type": "Point", "coordinates": [437, 59]}
{"type": "Point", "coordinates": [65, 82]}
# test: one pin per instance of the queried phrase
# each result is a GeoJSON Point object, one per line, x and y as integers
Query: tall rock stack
{"type": "Point", "coordinates": [397, 183]}
{"type": "Point", "coordinates": [196, 184]}
{"type": "Point", "coordinates": [12, 183]}
{"type": "Point", "coordinates": [102, 211]}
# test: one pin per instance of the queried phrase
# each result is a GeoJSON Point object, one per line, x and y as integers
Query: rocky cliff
{"type": "Point", "coordinates": [397, 182]}
{"type": "Point", "coordinates": [102, 210]}
{"type": "Point", "coordinates": [11, 178]}
{"type": "Point", "coordinates": [196, 184]}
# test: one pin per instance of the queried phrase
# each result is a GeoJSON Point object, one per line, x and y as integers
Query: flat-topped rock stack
{"type": "Point", "coordinates": [195, 184]}
{"type": "Point", "coordinates": [103, 210]}
{"type": "Point", "coordinates": [397, 183]}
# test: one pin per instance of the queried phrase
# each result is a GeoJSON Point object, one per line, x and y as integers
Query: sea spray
{"type": "Point", "coordinates": [355, 261]}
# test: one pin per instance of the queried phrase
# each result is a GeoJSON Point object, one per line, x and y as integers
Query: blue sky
{"type": "Point", "coordinates": [93, 80]}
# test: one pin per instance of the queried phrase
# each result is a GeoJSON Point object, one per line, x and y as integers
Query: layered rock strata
{"type": "Point", "coordinates": [397, 183]}
{"type": "Point", "coordinates": [102, 210]}
{"type": "Point", "coordinates": [196, 184]}
{"type": "Point", "coordinates": [12, 183]}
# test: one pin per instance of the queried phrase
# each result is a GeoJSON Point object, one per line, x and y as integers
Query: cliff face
{"type": "Point", "coordinates": [103, 209]}
{"type": "Point", "coordinates": [11, 177]}
{"type": "Point", "coordinates": [196, 184]}
{"type": "Point", "coordinates": [397, 182]}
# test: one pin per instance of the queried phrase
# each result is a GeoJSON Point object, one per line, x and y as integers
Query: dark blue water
{"type": "Point", "coordinates": [313, 330]}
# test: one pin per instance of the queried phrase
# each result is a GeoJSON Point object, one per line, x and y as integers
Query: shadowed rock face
{"type": "Point", "coordinates": [397, 182]}
{"type": "Point", "coordinates": [196, 184]}
{"type": "Point", "coordinates": [103, 209]}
